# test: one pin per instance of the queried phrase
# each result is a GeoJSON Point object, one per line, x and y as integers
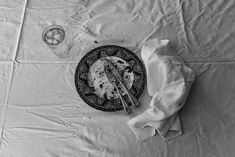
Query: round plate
{"type": "Point", "coordinates": [86, 92]}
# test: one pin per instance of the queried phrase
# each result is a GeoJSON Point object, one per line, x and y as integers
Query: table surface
{"type": "Point", "coordinates": [41, 113]}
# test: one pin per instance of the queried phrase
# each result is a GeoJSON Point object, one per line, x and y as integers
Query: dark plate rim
{"type": "Point", "coordinates": [94, 50]}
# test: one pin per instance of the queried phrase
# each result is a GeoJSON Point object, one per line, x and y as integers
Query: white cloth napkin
{"type": "Point", "coordinates": [168, 81]}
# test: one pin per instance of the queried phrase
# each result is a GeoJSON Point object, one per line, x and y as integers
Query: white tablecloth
{"type": "Point", "coordinates": [41, 113]}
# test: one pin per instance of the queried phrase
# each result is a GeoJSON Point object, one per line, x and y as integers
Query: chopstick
{"type": "Point", "coordinates": [132, 98]}
{"type": "Point", "coordinates": [113, 80]}
{"type": "Point", "coordinates": [124, 103]}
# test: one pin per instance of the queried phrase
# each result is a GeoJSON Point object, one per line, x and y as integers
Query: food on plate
{"type": "Point", "coordinates": [98, 79]}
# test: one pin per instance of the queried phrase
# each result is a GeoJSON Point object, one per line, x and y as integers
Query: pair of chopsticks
{"type": "Point", "coordinates": [115, 78]}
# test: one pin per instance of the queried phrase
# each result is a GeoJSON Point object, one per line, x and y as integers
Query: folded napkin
{"type": "Point", "coordinates": [168, 81]}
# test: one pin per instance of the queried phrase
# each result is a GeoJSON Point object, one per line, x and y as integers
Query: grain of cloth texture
{"type": "Point", "coordinates": [41, 113]}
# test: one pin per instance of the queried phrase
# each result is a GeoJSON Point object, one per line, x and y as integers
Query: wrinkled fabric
{"type": "Point", "coordinates": [168, 81]}
{"type": "Point", "coordinates": [41, 114]}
